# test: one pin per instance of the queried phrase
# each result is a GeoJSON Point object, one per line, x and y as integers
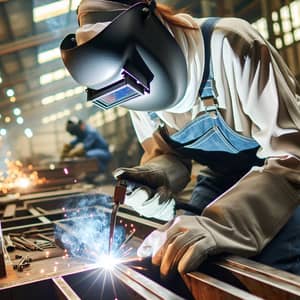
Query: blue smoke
{"type": "Point", "coordinates": [85, 232]}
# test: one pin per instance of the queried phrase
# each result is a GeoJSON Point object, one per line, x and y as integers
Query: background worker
{"type": "Point", "coordinates": [240, 117]}
{"type": "Point", "coordinates": [88, 143]}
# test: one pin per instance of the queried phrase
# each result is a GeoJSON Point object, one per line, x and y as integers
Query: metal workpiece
{"type": "Point", "coordinates": [64, 290]}
{"type": "Point", "coordinates": [82, 281]}
{"type": "Point", "coordinates": [2, 255]}
{"type": "Point", "coordinates": [59, 274]}
{"type": "Point", "coordinates": [143, 286]}
{"type": "Point", "coordinates": [9, 245]}
{"type": "Point", "coordinates": [23, 263]}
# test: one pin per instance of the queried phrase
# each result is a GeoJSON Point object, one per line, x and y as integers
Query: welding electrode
{"type": "Point", "coordinates": [119, 197]}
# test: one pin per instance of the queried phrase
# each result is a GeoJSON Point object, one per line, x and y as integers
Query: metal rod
{"type": "Point", "coordinates": [65, 291]}
{"type": "Point", "coordinates": [24, 243]}
{"type": "Point", "coordinates": [2, 257]}
{"type": "Point", "coordinates": [128, 238]}
{"type": "Point", "coordinates": [35, 247]}
{"type": "Point", "coordinates": [10, 247]}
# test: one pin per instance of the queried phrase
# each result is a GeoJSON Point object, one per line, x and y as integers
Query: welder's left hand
{"type": "Point", "coordinates": [77, 151]}
{"type": "Point", "coordinates": [241, 221]}
{"type": "Point", "coordinates": [66, 149]}
{"type": "Point", "coordinates": [182, 244]}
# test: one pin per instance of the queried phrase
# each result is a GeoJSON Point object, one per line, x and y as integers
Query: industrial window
{"type": "Point", "coordinates": [261, 26]}
{"type": "Point", "coordinates": [286, 24]}
{"type": "Point", "coordinates": [53, 76]}
{"type": "Point", "coordinates": [54, 9]}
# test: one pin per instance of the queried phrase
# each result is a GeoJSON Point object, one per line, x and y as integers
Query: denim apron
{"type": "Point", "coordinates": [211, 142]}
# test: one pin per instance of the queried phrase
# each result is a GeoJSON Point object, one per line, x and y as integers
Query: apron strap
{"type": "Point", "coordinates": [207, 88]}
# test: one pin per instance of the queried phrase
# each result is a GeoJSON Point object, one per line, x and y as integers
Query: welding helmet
{"type": "Point", "coordinates": [134, 62]}
{"type": "Point", "coordinates": [73, 126]}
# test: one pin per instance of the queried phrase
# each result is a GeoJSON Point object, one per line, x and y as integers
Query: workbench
{"type": "Point", "coordinates": [55, 274]}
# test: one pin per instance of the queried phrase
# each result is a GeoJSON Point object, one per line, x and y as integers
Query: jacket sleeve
{"type": "Point", "coordinates": [246, 217]}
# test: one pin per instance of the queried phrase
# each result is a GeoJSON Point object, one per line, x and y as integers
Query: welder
{"type": "Point", "coordinates": [88, 142]}
{"type": "Point", "coordinates": [209, 90]}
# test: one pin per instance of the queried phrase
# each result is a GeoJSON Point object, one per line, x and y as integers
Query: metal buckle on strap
{"type": "Point", "coordinates": [211, 106]}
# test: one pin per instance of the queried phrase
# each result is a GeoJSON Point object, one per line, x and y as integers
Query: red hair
{"type": "Point", "coordinates": [169, 14]}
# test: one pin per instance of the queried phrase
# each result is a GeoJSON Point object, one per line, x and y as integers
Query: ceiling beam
{"type": "Point", "coordinates": [31, 74]}
{"type": "Point", "coordinates": [34, 40]}
{"type": "Point", "coordinates": [43, 91]}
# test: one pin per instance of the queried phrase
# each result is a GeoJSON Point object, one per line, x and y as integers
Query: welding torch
{"type": "Point", "coordinates": [118, 198]}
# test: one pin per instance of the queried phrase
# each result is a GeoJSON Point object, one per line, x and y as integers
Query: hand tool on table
{"type": "Point", "coordinates": [118, 198]}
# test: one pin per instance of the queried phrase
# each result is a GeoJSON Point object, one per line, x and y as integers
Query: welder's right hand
{"type": "Point", "coordinates": [164, 174]}
{"type": "Point", "coordinates": [66, 149]}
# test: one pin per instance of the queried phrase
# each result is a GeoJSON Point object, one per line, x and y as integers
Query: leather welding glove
{"type": "Point", "coordinates": [65, 150]}
{"type": "Point", "coordinates": [241, 221]}
{"type": "Point", "coordinates": [164, 174]}
{"type": "Point", "coordinates": [77, 151]}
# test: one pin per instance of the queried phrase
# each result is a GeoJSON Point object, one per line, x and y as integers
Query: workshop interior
{"type": "Point", "coordinates": [66, 229]}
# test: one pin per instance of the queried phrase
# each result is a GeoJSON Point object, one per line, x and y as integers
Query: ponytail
{"type": "Point", "coordinates": [169, 14]}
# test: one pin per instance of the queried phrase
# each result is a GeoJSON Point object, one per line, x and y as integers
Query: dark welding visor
{"type": "Point", "coordinates": [134, 61]}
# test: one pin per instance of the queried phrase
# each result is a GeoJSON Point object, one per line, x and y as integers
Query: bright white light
{"type": "Point", "coordinates": [52, 166]}
{"type": "Point", "coordinates": [51, 10]}
{"type": "Point", "coordinates": [2, 131]}
{"type": "Point", "coordinates": [75, 4]}
{"type": "Point", "coordinates": [28, 132]}
{"type": "Point", "coordinates": [10, 92]}
{"type": "Point", "coordinates": [53, 76]}
{"type": "Point", "coordinates": [78, 106]}
{"type": "Point", "coordinates": [23, 182]}
{"type": "Point", "coordinates": [48, 55]}
{"type": "Point", "coordinates": [17, 111]}
{"type": "Point", "coordinates": [107, 262]}
{"type": "Point", "coordinates": [0, 79]}
{"type": "Point", "coordinates": [20, 120]}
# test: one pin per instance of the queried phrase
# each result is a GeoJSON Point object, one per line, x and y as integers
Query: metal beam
{"type": "Point", "coordinates": [44, 91]}
{"type": "Point", "coordinates": [31, 74]}
{"type": "Point", "coordinates": [34, 40]}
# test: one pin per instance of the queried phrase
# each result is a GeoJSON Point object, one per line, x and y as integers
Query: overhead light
{"type": "Point", "coordinates": [12, 99]}
{"type": "Point", "coordinates": [53, 76]}
{"type": "Point", "coordinates": [262, 26]}
{"type": "Point", "coordinates": [10, 92]}
{"type": "Point", "coordinates": [62, 95]}
{"type": "Point", "coordinates": [28, 132]}
{"type": "Point", "coordinates": [1, 79]}
{"type": "Point", "coordinates": [48, 55]}
{"type": "Point", "coordinates": [17, 111]}
{"type": "Point", "coordinates": [2, 131]}
{"type": "Point", "coordinates": [20, 120]}
{"type": "Point", "coordinates": [54, 9]}
{"type": "Point", "coordinates": [78, 106]}
{"type": "Point", "coordinates": [75, 4]}
{"type": "Point", "coordinates": [7, 119]}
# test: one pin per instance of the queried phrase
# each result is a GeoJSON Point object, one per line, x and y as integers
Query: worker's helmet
{"type": "Point", "coordinates": [73, 126]}
{"type": "Point", "coordinates": [133, 61]}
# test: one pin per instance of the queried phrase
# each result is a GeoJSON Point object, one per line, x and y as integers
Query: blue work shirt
{"type": "Point", "coordinates": [95, 146]}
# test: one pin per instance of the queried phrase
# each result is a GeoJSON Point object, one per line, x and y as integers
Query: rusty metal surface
{"type": "Point", "coordinates": [204, 286]}
{"type": "Point", "coordinates": [60, 268]}
{"type": "Point", "coordinates": [252, 279]}
{"type": "Point", "coordinates": [64, 290]}
{"type": "Point", "coordinates": [2, 255]}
